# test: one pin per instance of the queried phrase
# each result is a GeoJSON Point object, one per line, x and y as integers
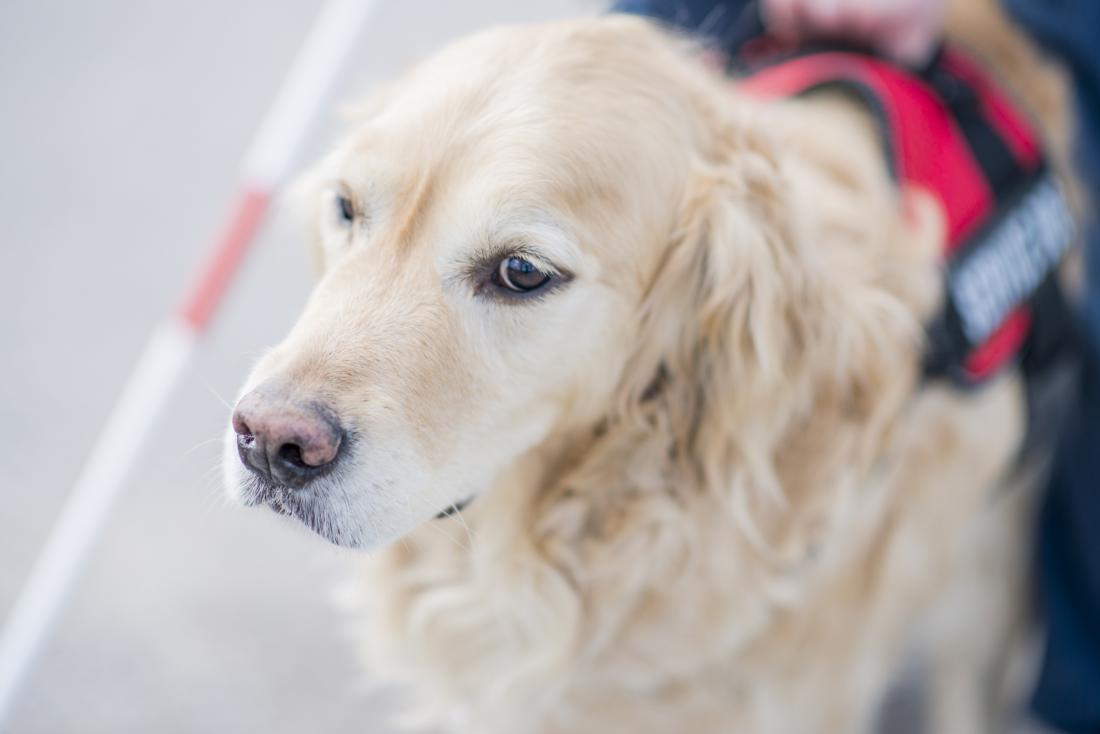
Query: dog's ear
{"type": "Point", "coordinates": [749, 330]}
{"type": "Point", "coordinates": [733, 303]}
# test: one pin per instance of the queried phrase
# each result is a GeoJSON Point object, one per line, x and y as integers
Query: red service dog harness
{"type": "Point", "coordinates": [951, 131]}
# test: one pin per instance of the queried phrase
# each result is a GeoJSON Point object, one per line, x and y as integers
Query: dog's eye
{"type": "Point", "coordinates": [519, 275]}
{"type": "Point", "coordinates": [345, 210]}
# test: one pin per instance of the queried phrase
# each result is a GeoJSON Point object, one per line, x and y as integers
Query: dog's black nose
{"type": "Point", "coordinates": [286, 441]}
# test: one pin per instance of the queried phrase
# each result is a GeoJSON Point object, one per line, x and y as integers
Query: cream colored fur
{"type": "Point", "coordinates": [713, 493]}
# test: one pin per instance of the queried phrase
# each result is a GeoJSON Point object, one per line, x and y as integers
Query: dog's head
{"type": "Point", "coordinates": [533, 226]}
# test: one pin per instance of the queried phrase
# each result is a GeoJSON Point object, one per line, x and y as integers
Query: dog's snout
{"type": "Point", "coordinates": [285, 441]}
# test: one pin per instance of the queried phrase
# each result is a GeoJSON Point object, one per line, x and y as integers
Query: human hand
{"type": "Point", "coordinates": [905, 30]}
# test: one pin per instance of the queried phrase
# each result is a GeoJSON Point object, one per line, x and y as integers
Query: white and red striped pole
{"type": "Point", "coordinates": [273, 152]}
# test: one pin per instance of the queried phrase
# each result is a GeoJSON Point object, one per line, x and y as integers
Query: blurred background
{"type": "Point", "coordinates": [122, 128]}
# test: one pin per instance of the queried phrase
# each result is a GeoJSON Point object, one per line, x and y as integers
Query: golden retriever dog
{"type": "Point", "coordinates": [616, 372]}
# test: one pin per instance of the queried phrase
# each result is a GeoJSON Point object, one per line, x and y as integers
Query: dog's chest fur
{"type": "Point", "coordinates": [630, 602]}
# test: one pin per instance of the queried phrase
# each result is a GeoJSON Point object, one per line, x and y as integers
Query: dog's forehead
{"type": "Point", "coordinates": [415, 169]}
{"type": "Point", "coordinates": [543, 91]}
{"type": "Point", "coordinates": [502, 130]}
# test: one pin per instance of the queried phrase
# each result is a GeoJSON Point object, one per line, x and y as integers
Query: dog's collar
{"type": "Point", "coordinates": [950, 130]}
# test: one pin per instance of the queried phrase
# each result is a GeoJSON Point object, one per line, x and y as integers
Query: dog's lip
{"type": "Point", "coordinates": [273, 496]}
{"type": "Point", "coordinates": [454, 508]}
{"type": "Point", "coordinates": [270, 494]}
{"type": "Point", "coordinates": [287, 502]}
{"type": "Point", "coordinates": [279, 507]}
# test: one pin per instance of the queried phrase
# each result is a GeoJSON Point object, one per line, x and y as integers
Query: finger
{"type": "Point", "coordinates": [823, 17]}
{"type": "Point", "coordinates": [863, 23]}
{"type": "Point", "coordinates": [780, 19]}
{"type": "Point", "coordinates": [802, 12]}
{"type": "Point", "coordinates": [911, 45]}
{"type": "Point", "coordinates": [912, 39]}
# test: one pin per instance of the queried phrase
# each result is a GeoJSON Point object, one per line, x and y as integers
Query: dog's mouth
{"type": "Point", "coordinates": [300, 504]}
{"type": "Point", "coordinates": [256, 491]}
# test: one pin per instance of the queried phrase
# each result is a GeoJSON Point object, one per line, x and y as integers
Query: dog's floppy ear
{"type": "Point", "coordinates": [733, 301]}
{"type": "Point", "coordinates": [749, 331]}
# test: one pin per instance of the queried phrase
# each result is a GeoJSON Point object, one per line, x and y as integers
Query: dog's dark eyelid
{"type": "Point", "coordinates": [533, 269]}
{"type": "Point", "coordinates": [345, 209]}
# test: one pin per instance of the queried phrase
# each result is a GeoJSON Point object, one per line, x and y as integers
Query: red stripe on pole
{"type": "Point", "coordinates": [237, 235]}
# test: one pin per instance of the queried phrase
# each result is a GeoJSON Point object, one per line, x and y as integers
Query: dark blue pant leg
{"type": "Point", "coordinates": [1068, 692]}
